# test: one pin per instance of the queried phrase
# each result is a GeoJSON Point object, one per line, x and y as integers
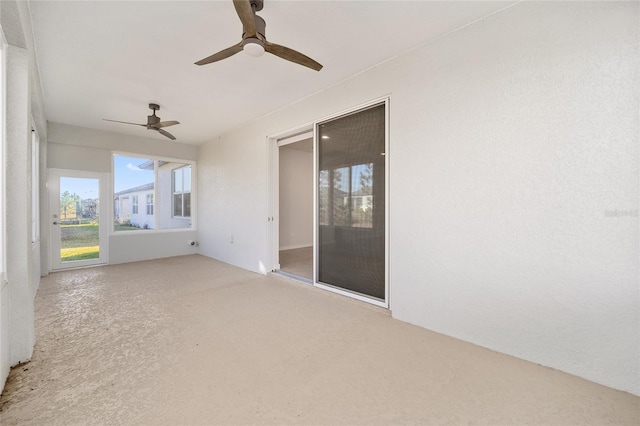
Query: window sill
{"type": "Point", "coordinates": [151, 231]}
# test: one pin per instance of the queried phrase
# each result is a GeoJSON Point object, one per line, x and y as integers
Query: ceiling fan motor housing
{"type": "Point", "coordinates": [261, 27]}
{"type": "Point", "coordinates": [153, 119]}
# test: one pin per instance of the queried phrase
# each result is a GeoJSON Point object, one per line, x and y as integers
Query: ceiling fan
{"type": "Point", "coordinates": [254, 41]}
{"type": "Point", "coordinates": [153, 122]}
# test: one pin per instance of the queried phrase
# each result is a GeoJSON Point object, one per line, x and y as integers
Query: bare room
{"type": "Point", "coordinates": [319, 212]}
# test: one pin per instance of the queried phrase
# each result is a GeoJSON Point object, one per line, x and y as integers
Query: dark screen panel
{"type": "Point", "coordinates": [351, 202]}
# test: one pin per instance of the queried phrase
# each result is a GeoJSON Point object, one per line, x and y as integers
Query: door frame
{"type": "Point", "coordinates": [53, 184]}
{"type": "Point", "coordinates": [273, 197]}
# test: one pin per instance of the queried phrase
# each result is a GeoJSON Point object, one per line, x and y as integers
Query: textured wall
{"type": "Point", "coordinates": [19, 261]}
{"type": "Point", "coordinates": [513, 184]}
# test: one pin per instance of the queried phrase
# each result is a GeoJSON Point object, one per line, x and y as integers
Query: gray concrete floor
{"type": "Point", "coordinates": [193, 341]}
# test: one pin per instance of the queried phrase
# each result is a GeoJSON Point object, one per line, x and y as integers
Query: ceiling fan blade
{"type": "Point", "coordinates": [167, 134]}
{"type": "Point", "coordinates": [125, 122]}
{"type": "Point", "coordinates": [245, 13]}
{"type": "Point", "coordinates": [166, 124]}
{"type": "Point", "coordinates": [223, 54]}
{"type": "Point", "coordinates": [291, 55]}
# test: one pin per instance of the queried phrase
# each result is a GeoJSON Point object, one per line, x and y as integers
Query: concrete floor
{"type": "Point", "coordinates": [297, 262]}
{"type": "Point", "coordinates": [190, 340]}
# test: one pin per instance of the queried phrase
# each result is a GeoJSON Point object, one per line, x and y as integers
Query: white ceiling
{"type": "Point", "coordinates": [110, 59]}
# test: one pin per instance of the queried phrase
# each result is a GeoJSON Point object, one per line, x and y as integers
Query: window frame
{"type": "Point", "coordinates": [35, 186]}
{"type": "Point", "coordinates": [134, 204]}
{"type": "Point", "coordinates": [149, 205]}
{"type": "Point", "coordinates": [174, 192]}
{"type": "Point", "coordinates": [3, 141]}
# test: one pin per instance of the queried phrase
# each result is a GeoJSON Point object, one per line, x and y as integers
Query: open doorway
{"type": "Point", "coordinates": [296, 208]}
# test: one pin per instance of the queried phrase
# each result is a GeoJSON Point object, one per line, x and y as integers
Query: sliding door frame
{"type": "Point", "coordinates": [273, 187]}
{"type": "Point", "coordinates": [316, 162]}
{"type": "Point", "coordinates": [273, 144]}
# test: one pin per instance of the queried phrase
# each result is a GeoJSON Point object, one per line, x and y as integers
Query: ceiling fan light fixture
{"type": "Point", "coordinates": [253, 47]}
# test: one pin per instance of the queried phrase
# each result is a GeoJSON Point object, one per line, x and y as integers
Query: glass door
{"type": "Point", "coordinates": [351, 204]}
{"type": "Point", "coordinates": [78, 220]}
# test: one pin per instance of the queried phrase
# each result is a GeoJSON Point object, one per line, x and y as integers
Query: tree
{"type": "Point", "coordinates": [363, 216]}
{"type": "Point", "coordinates": [68, 204]}
{"type": "Point", "coordinates": [366, 177]}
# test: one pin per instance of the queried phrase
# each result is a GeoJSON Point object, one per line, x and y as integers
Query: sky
{"type": "Point", "coordinates": [128, 175]}
{"type": "Point", "coordinates": [85, 188]}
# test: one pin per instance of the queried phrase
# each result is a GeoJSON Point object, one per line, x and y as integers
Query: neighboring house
{"type": "Point", "coordinates": [171, 202]}
{"type": "Point", "coordinates": [131, 206]}
{"type": "Point", "coordinates": [89, 208]}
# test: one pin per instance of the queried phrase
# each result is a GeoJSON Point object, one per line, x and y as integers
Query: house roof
{"type": "Point", "coordinates": [148, 165]}
{"type": "Point", "coordinates": [145, 187]}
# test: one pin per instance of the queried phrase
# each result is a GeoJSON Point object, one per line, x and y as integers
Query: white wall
{"type": "Point", "coordinates": [296, 198]}
{"type": "Point", "coordinates": [514, 148]}
{"type": "Point", "coordinates": [77, 148]}
{"type": "Point", "coordinates": [126, 247]}
{"type": "Point", "coordinates": [20, 258]}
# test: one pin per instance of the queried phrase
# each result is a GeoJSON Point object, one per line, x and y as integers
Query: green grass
{"type": "Point", "coordinates": [79, 253]}
{"type": "Point", "coordinates": [79, 236]}
{"type": "Point", "coordinates": [79, 242]}
{"type": "Point", "coordinates": [118, 227]}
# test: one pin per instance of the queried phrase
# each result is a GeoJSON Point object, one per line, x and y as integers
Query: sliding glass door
{"type": "Point", "coordinates": [351, 203]}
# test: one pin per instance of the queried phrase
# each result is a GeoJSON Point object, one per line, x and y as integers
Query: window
{"type": "Point", "coordinates": [346, 197]}
{"type": "Point", "coordinates": [3, 86]}
{"type": "Point", "coordinates": [162, 186]}
{"type": "Point", "coordinates": [182, 192]}
{"type": "Point", "coordinates": [35, 187]}
{"type": "Point", "coordinates": [150, 204]}
{"type": "Point", "coordinates": [134, 204]}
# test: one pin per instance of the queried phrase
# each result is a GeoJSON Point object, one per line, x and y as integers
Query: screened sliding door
{"type": "Point", "coordinates": [351, 204]}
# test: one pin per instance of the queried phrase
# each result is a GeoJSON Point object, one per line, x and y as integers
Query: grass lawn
{"type": "Point", "coordinates": [79, 253]}
{"type": "Point", "coordinates": [79, 236]}
{"type": "Point", "coordinates": [117, 227]}
{"type": "Point", "coordinates": [79, 242]}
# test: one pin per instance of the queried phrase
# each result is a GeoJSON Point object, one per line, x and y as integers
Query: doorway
{"type": "Point", "coordinates": [296, 207]}
{"type": "Point", "coordinates": [79, 231]}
